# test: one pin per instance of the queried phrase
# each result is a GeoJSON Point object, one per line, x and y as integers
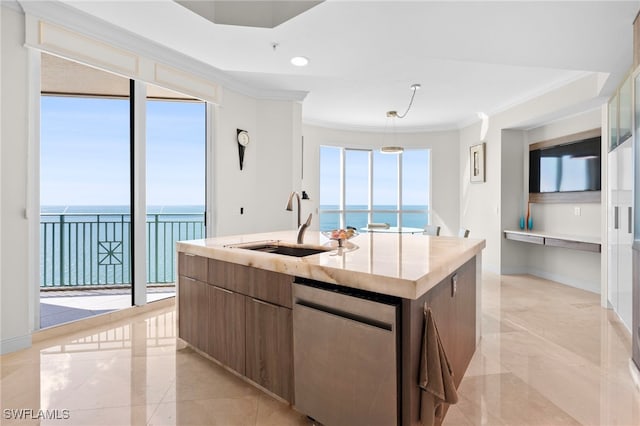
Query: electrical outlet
{"type": "Point", "coordinates": [576, 211]}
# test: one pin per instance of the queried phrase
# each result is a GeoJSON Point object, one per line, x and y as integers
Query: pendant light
{"type": "Point", "coordinates": [395, 149]}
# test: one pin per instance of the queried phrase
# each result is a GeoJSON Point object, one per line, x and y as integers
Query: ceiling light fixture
{"type": "Point", "coordinates": [300, 61]}
{"type": "Point", "coordinates": [395, 149]}
{"type": "Point", "coordinates": [391, 149]}
{"type": "Point", "coordinates": [394, 114]}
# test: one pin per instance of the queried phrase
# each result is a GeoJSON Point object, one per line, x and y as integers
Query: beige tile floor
{"type": "Point", "coordinates": [549, 356]}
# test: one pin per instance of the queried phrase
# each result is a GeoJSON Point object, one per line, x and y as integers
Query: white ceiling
{"type": "Point", "coordinates": [470, 57]}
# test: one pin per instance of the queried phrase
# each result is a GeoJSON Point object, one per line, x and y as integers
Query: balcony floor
{"type": "Point", "coordinates": [62, 306]}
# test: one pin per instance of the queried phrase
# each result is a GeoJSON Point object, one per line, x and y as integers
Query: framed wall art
{"type": "Point", "coordinates": [477, 163]}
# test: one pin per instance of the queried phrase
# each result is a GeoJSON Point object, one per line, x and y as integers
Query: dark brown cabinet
{"type": "Point", "coordinates": [226, 333]}
{"type": "Point", "coordinates": [193, 306]}
{"type": "Point", "coordinates": [193, 266]}
{"type": "Point", "coordinates": [269, 339]}
{"type": "Point", "coordinates": [193, 300]}
{"type": "Point", "coordinates": [453, 305]}
{"type": "Point", "coordinates": [241, 317]}
{"type": "Point", "coordinates": [272, 287]}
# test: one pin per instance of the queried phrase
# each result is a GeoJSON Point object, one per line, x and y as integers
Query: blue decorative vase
{"type": "Point", "coordinates": [522, 222]}
{"type": "Point", "coordinates": [530, 223]}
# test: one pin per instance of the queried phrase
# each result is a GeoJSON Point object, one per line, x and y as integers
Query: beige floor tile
{"type": "Point", "coordinates": [215, 412]}
{"type": "Point", "coordinates": [549, 355]}
{"type": "Point", "coordinates": [505, 399]}
{"type": "Point", "coordinates": [272, 412]}
{"type": "Point", "coordinates": [112, 416]}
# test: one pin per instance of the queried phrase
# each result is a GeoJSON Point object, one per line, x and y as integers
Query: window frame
{"type": "Point", "coordinates": [399, 211]}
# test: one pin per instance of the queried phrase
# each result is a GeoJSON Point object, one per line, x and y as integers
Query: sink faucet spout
{"type": "Point", "coordinates": [290, 204]}
{"type": "Point", "coordinates": [303, 228]}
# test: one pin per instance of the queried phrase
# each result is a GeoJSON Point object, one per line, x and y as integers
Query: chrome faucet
{"type": "Point", "coordinates": [302, 227]}
{"type": "Point", "coordinates": [290, 204]}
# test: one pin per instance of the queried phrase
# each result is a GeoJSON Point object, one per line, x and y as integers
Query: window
{"type": "Point", "coordinates": [88, 223]}
{"type": "Point", "coordinates": [361, 186]}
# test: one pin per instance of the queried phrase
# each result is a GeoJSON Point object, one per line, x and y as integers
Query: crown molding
{"type": "Point", "coordinates": [79, 21]}
{"type": "Point", "coordinates": [11, 4]}
{"type": "Point", "coordinates": [377, 129]}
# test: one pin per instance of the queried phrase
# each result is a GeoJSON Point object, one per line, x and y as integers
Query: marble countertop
{"type": "Point", "coordinates": [403, 265]}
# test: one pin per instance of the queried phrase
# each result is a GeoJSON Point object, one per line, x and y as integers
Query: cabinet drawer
{"type": "Point", "coordinates": [230, 276]}
{"type": "Point", "coordinates": [192, 266]}
{"type": "Point", "coordinates": [533, 239]}
{"type": "Point", "coordinates": [269, 286]}
{"type": "Point", "coordinates": [576, 245]}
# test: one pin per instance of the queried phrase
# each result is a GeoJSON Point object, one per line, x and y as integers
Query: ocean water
{"type": "Point", "coordinates": [329, 221]}
{"type": "Point", "coordinates": [186, 209]}
{"type": "Point", "coordinates": [90, 245]}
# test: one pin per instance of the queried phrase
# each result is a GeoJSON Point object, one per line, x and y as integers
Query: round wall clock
{"type": "Point", "coordinates": [243, 140]}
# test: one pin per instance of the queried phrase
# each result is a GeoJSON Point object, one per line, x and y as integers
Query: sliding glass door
{"type": "Point", "coordinates": [175, 175]}
{"type": "Point", "coordinates": [87, 167]}
{"type": "Point", "coordinates": [85, 191]}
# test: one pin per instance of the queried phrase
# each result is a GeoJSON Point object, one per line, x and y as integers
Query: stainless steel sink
{"type": "Point", "coordinates": [277, 247]}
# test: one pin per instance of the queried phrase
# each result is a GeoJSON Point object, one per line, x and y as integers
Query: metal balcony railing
{"type": "Point", "coordinates": [85, 249]}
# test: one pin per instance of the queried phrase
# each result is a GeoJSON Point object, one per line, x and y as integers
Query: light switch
{"type": "Point", "coordinates": [576, 211]}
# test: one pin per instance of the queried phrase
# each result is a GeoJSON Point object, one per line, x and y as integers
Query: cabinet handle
{"type": "Point", "coordinates": [615, 217]}
{"type": "Point", "coordinates": [630, 218]}
{"type": "Point", "coordinates": [190, 255]}
{"type": "Point", "coordinates": [188, 278]}
{"type": "Point", "coordinates": [454, 285]}
{"type": "Point", "coordinates": [262, 302]}
{"type": "Point", "coordinates": [222, 289]}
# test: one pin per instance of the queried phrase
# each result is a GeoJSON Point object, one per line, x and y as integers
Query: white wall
{"type": "Point", "coordinates": [262, 187]}
{"type": "Point", "coordinates": [576, 268]}
{"type": "Point", "coordinates": [14, 285]}
{"type": "Point", "coordinates": [445, 178]}
{"type": "Point", "coordinates": [480, 204]}
{"type": "Point", "coordinates": [513, 197]}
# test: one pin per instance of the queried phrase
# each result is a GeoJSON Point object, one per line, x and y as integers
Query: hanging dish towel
{"type": "Point", "coordinates": [436, 376]}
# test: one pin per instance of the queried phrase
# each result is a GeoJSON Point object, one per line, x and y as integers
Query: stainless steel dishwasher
{"type": "Point", "coordinates": [345, 346]}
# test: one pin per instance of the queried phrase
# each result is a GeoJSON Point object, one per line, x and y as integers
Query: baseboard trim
{"type": "Point", "coordinates": [14, 344]}
{"type": "Point", "coordinates": [592, 287]}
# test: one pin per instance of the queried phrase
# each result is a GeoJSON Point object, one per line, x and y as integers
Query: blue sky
{"type": "Point", "coordinates": [415, 177]}
{"type": "Point", "coordinates": [85, 152]}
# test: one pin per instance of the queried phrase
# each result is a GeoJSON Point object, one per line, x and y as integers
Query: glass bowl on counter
{"type": "Point", "coordinates": [340, 235]}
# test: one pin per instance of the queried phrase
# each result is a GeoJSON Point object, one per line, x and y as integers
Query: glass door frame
{"type": "Point", "coordinates": [138, 99]}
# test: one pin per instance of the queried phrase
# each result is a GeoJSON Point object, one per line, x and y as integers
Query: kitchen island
{"type": "Point", "coordinates": [245, 308]}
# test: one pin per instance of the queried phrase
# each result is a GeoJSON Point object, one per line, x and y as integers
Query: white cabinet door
{"type": "Point", "coordinates": [625, 231]}
{"type": "Point", "coordinates": [613, 224]}
{"type": "Point", "coordinates": [620, 226]}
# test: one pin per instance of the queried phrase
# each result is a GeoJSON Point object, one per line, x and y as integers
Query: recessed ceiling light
{"type": "Point", "coordinates": [299, 61]}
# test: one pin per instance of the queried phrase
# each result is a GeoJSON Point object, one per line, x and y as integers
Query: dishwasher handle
{"type": "Point", "coordinates": [346, 315]}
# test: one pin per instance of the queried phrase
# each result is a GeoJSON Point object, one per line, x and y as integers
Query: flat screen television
{"type": "Point", "coordinates": [569, 167]}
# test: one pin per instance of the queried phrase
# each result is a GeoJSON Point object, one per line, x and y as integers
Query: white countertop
{"type": "Point", "coordinates": [403, 265]}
